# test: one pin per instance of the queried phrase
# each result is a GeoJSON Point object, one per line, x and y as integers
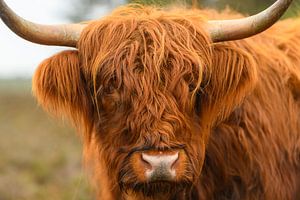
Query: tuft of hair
{"type": "Point", "coordinates": [60, 88]}
{"type": "Point", "coordinates": [135, 42]}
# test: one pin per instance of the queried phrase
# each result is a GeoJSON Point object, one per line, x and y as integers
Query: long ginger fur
{"type": "Point", "coordinates": [144, 76]}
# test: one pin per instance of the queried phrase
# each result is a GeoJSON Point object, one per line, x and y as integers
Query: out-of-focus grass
{"type": "Point", "coordinates": [40, 157]}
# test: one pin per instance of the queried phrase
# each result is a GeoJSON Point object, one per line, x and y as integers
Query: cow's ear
{"type": "Point", "coordinates": [232, 77]}
{"type": "Point", "coordinates": [59, 86]}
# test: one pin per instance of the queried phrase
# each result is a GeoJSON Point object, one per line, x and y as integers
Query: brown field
{"type": "Point", "coordinates": [40, 157]}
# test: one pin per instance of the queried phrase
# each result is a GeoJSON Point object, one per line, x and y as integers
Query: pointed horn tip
{"type": "Point", "coordinates": [226, 30]}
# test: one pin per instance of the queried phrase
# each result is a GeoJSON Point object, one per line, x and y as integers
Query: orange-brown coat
{"type": "Point", "coordinates": [144, 77]}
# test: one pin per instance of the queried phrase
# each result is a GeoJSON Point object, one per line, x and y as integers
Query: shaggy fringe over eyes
{"type": "Point", "coordinates": [164, 48]}
{"type": "Point", "coordinates": [59, 87]}
{"type": "Point", "coordinates": [138, 46]}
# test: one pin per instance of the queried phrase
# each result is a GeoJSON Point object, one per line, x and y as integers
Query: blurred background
{"type": "Point", "coordinates": [40, 157]}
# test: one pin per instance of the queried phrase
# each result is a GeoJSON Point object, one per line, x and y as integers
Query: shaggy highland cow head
{"type": "Point", "coordinates": [147, 92]}
{"type": "Point", "coordinates": [145, 86]}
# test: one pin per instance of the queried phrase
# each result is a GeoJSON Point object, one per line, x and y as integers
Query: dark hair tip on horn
{"type": "Point", "coordinates": [57, 35]}
{"type": "Point", "coordinates": [226, 30]}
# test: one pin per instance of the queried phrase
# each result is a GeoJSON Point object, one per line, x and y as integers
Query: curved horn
{"type": "Point", "coordinates": [235, 29]}
{"type": "Point", "coordinates": [59, 35]}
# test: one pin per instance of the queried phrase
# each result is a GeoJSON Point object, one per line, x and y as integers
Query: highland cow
{"type": "Point", "coordinates": [172, 105]}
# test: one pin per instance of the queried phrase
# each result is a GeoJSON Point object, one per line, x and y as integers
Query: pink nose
{"type": "Point", "coordinates": [161, 166]}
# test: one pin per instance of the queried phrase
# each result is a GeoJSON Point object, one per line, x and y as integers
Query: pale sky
{"type": "Point", "coordinates": [19, 57]}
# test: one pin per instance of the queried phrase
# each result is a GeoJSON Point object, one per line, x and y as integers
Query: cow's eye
{"type": "Point", "coordinates": [110, 99]}
{"type": "Point", "coordinates": [109, 89]}
{"type": "Point", "coordinates": [192, 87]}
{"type": "Point", "coordinates": [198, 102]}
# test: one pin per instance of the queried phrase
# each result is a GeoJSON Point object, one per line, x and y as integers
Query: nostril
{"type": "Point", "coordinates": [175, 162]}
{"type": "Point", "coordinates": [145, 162]}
